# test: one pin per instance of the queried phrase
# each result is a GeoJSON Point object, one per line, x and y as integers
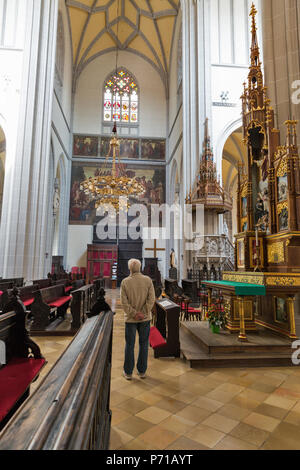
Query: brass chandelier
{"type": "Point", "coordinates": [107, 190]}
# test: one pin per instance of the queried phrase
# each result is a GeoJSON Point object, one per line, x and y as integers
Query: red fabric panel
{"type": "Point", "coordinates": [74, 270]}
{"type": "Point", "coordinates": [156, 339]}
{"type": "Point", "coordinates": [96, 269]}
{"type": "Point", "coordinates": [28, 302]}
{"type": "Point", "coordinates": [15, 378]}
{"type": "Point", "coordinates": [106, 269]}
{"type": "Point", "coordinates": [82, 271]}
{"type": "Point", "coordinates": [67, 289]}
{"type": "Point", "coordinates": [101, 254]}
{"type": "Point", "coordinates": [1, 292]}
{"type": "Point", "coordinates": [95, 254]}
{"type": "Point", "coordinates": [61, 301]}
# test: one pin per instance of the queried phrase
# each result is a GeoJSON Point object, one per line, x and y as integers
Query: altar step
{"type": "Point", "coordinates": [201, 348]}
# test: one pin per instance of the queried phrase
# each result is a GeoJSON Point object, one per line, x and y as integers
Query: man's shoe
{"type": "Point", "coordinates": [127, 377]}
{"type": "Point", "coordinates": [141, 376]}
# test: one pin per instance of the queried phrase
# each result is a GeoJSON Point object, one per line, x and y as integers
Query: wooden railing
{"type": "Point", "coordinates": [70, 409]}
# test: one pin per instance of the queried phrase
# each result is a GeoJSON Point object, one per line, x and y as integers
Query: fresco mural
{"type": "Point", "coordinates": [85, 146]}
{"type": "Point", "coordinates": [82, 211]}
{"type": "Point", "coordinates": [130, 148]}
{"type": "Point", "coordinates": [153, 149]}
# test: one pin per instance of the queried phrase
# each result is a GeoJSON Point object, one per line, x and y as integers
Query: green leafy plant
{"type": "Point", "coordinates": [217, 316]}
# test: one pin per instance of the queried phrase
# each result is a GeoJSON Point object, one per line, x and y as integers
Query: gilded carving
{"type": "Point", "coordinates": [244, 278]}
{"type": "Point", "coordinates": [283, 168]}
{"type": "Point", "coordinates": [282, 206]}
{"type": "Point", "coordinates": [282, 281]}
{"type": "Point", "coordinates": [276, 253]}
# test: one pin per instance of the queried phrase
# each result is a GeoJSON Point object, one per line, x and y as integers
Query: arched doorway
{"type": "Point", "coordinates": [2, 166]}
{"type": "Point", "coordinates": [234, 155]}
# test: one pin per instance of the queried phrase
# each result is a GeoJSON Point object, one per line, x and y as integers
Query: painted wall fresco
{"type": "Point", "coordinates": [130, 148]}
{"type": "Point", "coordinates": [82, 211]}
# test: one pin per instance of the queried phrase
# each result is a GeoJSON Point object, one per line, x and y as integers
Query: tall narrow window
{"type": "Point", "coordinates": [121, 99]}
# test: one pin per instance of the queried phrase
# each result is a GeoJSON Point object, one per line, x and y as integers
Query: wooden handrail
{"type": "Point", "coordinates": [70, 409]}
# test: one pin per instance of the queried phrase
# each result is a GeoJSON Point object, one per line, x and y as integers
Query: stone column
{"type": "Point", "coordinates": [281, 33]}
{"type": "Point", "coordinates": [196, 88]}
{"type": "Point", "coordinates": [23, 237]}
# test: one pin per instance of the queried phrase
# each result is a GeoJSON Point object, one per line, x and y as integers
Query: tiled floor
{"type": "Point", "coordinates": [185, 409]}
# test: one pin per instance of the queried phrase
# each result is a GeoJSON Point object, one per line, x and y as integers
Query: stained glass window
{"type": "Point", "coordinates": [121, 98]}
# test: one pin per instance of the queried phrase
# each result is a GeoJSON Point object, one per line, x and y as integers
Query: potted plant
{"type": "Point", "coordinates": [217, 318]}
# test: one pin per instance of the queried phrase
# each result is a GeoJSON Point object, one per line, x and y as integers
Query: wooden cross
{"type": "Point", "coordinates": [155, 249]}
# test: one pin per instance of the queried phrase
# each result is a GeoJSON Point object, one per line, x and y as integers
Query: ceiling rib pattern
{"type": "Point", "coordinates": [143, 27]}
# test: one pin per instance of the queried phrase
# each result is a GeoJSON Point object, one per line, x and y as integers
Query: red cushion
{"type": "Point", "coordinates": [61, 301]}
{"type": "Point", "coordinates": [15, 378]}
{"type": "Point", "coordinates": [67, 289]}
{"type": "Point", "coordinates": [156, 339]}
{"type": "Point", "coordinates": [193, 310]}
{"type": "Point", "coordinates": [28, 302]}
{"type": "Point", "coordinates": [1, 292]}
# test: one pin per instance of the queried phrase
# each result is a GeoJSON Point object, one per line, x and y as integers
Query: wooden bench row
{"type": "Point", "coordinates": [20, 362]}
{"type": "Point", "coordinates": [70, 410]}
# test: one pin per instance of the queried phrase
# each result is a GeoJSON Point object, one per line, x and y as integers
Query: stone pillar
{"type": "Point", "coordinates": [281, 32]}
{"type": "Point", "coordinates": [24, 228]}
{"type": "Point", "coordinates": [196, 88]}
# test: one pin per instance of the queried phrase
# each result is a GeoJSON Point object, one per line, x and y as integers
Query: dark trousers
{"type": "Point", "coordinates": [130, 334]}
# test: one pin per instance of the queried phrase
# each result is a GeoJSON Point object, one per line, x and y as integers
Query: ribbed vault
{"type": "Point", "coordinates": [143, 27]}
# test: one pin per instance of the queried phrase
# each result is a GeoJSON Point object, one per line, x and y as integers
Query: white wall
{"type": "Point", "coordinates": [79, 236]}
{"type": "Point", "coordinates": [89, 95]}
{"type": "Point", "coordinates": [62, 139]}
{"type": "Point", "coordinates": [230, 56]}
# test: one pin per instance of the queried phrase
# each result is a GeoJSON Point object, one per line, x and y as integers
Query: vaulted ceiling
{"type": "Point", "coordinates": [144, 27]}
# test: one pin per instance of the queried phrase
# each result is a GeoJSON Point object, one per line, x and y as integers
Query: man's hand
{"type": "Point", "coordinates": [139, 316]}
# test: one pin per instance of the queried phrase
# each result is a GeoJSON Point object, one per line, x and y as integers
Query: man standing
{"type": "Point", "coordinates": [137, 299]}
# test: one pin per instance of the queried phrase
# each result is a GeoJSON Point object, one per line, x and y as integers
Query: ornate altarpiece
{"type": "Point", "coordinates": [267, 248]}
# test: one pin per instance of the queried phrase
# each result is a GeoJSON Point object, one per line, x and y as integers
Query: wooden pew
{"type": "Point", "coordinates": [70, 410]}
{"type": "Point", "coordinates": [18, 370]}
{"type": "Point", "coordinates": [4, 286]}
{"type": "Point", "coordinates": [190, 290]}
{"type": "Point", "coordinates": [83, 299]}
{"type": "Point", "coordinates": [48, 304]}
{"type": "Point", "coordinates": [166, 319]}
{"type": "Point", "coordinates": [99, 283]}
{"type": "Point", "coordinates": [18, 281]}
{"type": "Point", "coordinates": [26, 295]}
{"type": "Point", "coordinates": [42, 283]}
{"type": "Point", "coordinates": [64, 282]}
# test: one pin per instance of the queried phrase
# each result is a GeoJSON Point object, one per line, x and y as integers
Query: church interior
{"type": "Point", "coordinates": [164, 131]}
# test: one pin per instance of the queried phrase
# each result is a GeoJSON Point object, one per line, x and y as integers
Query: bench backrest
{"type": "Point", "coordinates": [43, 283]}
{"type": "Point", "coordinates": [78, 283]}
{"type": "Point", "coordinates": [61, 282]}
{"type": "Point", "coordinates": [51, 293]}
{"type": "Point", "coordinates": [25, 293]}
{"type": "Point", "coordinates": [7, 326]}
{"type": "Point", "coordinates": [4, 286]}
{"type": "Point", "coordinates": [18, 281]}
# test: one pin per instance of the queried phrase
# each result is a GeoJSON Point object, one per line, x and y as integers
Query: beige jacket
{"type": "Point", "coordinates": [137, 296]}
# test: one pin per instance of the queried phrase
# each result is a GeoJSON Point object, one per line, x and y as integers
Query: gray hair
{"type": "Point", "coordinates": [134, 266]}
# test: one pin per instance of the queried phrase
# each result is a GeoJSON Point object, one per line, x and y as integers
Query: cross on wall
{"type": "Point", "coordinates": [155, 249]}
